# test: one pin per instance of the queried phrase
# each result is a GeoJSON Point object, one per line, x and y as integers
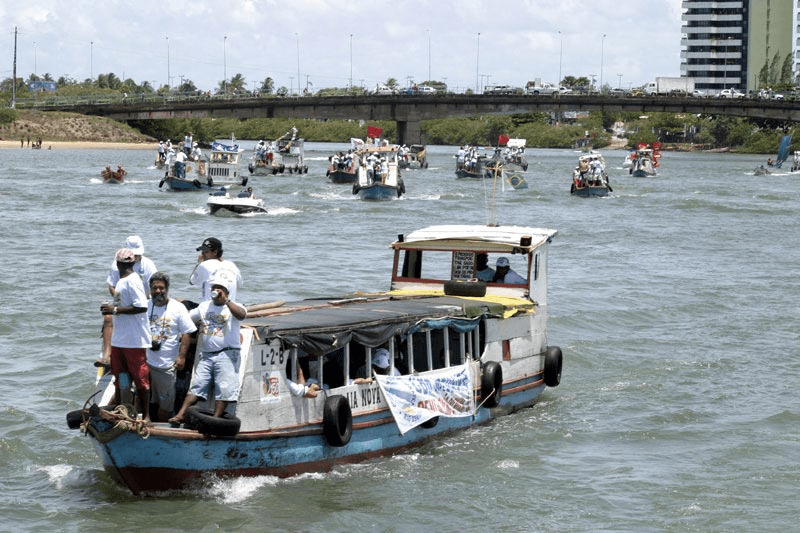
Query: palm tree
{"type": "Point", "coordinates": [267, 86]}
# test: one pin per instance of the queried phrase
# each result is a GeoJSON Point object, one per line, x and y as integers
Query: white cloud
{"type": "Point", "coordinates": [519, 40]}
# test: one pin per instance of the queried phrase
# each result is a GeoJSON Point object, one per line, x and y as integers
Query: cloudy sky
{"type": "Point", "coordinates": [460, 42]}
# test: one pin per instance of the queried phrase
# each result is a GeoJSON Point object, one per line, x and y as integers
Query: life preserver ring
{"type": "Point", "coordinates": [206, 423]}
{"type": "Point", "coordinates": [337, 420]}
{"type": "Point", "coordinates": [492, 384]}
{"type": "Point", "coordinates": [552, 366]}
{"type": "Point", "coordinates": [462, 287]}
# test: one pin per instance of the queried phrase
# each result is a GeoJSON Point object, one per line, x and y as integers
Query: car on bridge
{"type": "Point", "coordinates": [501, 89]}
{"type": "Point", "coordinates": [730, 93]}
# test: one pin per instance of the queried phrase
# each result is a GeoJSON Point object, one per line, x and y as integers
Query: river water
{"type": "Point", "coordinates": [675, 301]}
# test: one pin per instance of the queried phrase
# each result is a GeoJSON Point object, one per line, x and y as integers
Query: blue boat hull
{"type": "Point", "coordinates": [589, 191]}
{"type": "Point", "coordinates": [177, 458]}
{"type": "Point", "coordinates": [341, 176]}
{"type": "Point", "coordinates": [377, 191]}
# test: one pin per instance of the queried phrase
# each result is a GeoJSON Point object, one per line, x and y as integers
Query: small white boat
{"type": "Point", "coordinates": [378, 174]}
{"type": "Point", "coordinates": [285, 154]}
{"type": "Point", "coordinates": [645, 160]}
{"type": "Point", "coordinates": [513, 155]}
{"type": "Point", "coordinates": [590, 177]}
{"type": "Point", "coordinates": [223, 203]}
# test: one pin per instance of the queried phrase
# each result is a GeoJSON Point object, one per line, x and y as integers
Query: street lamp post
{"type": "Point", "coordinates": [298, 62]}
{"type": "Point", "coordinates": [91, 61]}
{"type": "Point", "coordinates": [224, 67]}
{"type": "Point", "coordinates": [429, 54]}
{"type": "Point", "coordinates": [169, 78]}
{"type": "Point", "coordinates": [620, 80]}
{"type": "Point", "coordinates": [602, 47]}
{"type": "Point", "coordinates": [351, 61]}
{"type": "Point", "coordinates": [560, 57]}
{"type": "Point", "coordinates": [478, 66]}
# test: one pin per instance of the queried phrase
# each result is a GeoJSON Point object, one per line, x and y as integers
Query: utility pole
{"type": "Point", "coordinates": [14, 75]}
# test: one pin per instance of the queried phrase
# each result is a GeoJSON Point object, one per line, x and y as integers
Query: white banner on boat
{"type": "Point", "coordinates": [415, 399]}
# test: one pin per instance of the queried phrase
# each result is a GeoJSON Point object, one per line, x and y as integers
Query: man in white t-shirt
{"type": "Point", "coordinates": [210, 265]}
{"type": "Point", "coordinates": [142, 266]}
{"type": "Point", "coordinates": [170, 330]}
{"type": "Point", "coordinates": [131, 335]}
{"type": "Point", "coordinates": [219, 320]}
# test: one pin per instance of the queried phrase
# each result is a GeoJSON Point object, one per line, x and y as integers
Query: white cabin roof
{"type": "Point", "coordinates": [516, 143]}
{"type": "Point", "coordinates": [466, 237]}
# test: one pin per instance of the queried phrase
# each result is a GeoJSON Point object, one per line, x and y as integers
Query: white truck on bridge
{"type": "Point", "coordinates": [540, 87]}
{"type": "Point", "coordinates": [666, 86]}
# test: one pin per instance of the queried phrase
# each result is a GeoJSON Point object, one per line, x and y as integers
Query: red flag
{"type": "Point", "coordinates": [502, 140]}
{"type": "Point", "coordinates": [374, 132]}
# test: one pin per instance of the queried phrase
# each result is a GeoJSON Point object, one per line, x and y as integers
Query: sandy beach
{"type": "Point", "coordinates": [81, 145]}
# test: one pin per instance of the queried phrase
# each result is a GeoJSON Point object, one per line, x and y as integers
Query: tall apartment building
{"type": "Point", "coordinates": [734, 43]}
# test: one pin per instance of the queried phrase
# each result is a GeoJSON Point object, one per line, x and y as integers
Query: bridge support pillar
{"type": "Point", "coordinates": [409, 132]}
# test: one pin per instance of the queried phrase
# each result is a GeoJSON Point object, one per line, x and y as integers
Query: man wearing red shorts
{"type": "Point", "coordinates": [131, 336]}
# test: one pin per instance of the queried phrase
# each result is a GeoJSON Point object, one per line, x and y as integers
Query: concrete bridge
{"type": "Point", "coordinates": [408, 111]}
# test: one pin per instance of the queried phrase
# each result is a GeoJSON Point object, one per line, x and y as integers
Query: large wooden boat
{"type": "Point", "coordinates": [466, 351]}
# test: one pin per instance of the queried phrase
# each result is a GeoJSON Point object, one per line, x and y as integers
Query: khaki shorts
{"type": "Point", "coordinates": [162, 388]}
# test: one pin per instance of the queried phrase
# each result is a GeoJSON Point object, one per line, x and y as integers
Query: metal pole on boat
{"type": "Point", "coordinates": [560, 56]}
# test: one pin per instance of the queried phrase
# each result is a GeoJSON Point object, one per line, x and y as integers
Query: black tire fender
{"type": "Point", "coordinates": [553, 359]}
{"type": "Point", "coordinates": [430, 423]}
{"type": "Point", "coordinates": [244, 181]}
{"type": "Point", "coordinates": [337, 420]}
{"type": "Point", "coordinates": [210, 181]}
{"type": "Point", "coordinates": [75, 419]}
{"type": "Point", "coordinates": [356, 188]}
{"type": "Point", "coordinates": [462, 287]}
{"type": "Point", "coordinates": [491, 384]}
{"type": "Point", "coordinates": [197, 184]}
{"type": "Point", "coordinates": [161, 183]}
{"type": "Point", "coordinates": [206, 423]}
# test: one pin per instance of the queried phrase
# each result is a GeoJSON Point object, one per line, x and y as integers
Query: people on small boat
{"type": "Point", "coordinates": [482, 269]}
{"type": "Point", "coordinates": [217, 371]}
{"type": "Point", "coordinates": [170, 332]}
{"type": "Point", "coordinates": [187, 144]}
{"type": "Point", "coordinates": [131, 335]}
{"type": "Point", "coordinates": [770, 162]}
{"type": "Point", "coordinates": [504, 274]}
{"type": "Point", "coordinates": [180, 165]}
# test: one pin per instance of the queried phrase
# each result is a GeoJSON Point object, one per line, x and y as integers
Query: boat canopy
{"type": "Point", "coordinates": [503, 239]}
{"type": "Point", "coordinates": [229, 149]}
{"type": "Point", "coordinates": [516, 143]}
{"type": "Point", "coordinates": [317, 327]}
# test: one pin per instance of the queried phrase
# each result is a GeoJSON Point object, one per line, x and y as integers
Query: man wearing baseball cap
{"type": "Point", "coordinates": [504, 274]}
{"type": "Point", "coordinates": [209, 264]}
{"type": "Point", "coordinates": [219, 320]}
{"type": "Point", "coordinates": [131, 336]}
{"type": "Point", "coordinates": [142, 266]}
